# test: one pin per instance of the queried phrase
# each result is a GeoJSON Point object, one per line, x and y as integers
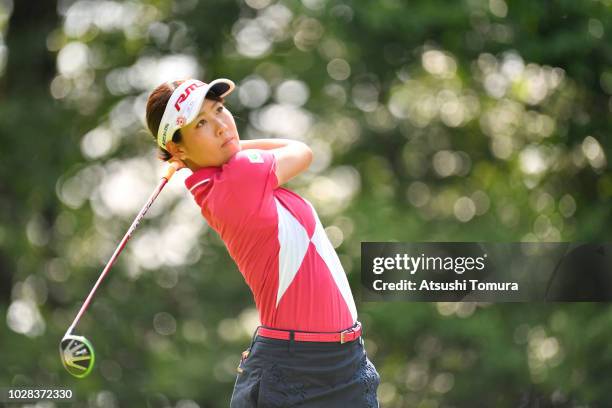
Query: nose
{"type": "Point", "coordinates": [221, 127]}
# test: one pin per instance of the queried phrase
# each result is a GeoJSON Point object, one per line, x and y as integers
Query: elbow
{"type": "Point", "coordinates": [308, 156]}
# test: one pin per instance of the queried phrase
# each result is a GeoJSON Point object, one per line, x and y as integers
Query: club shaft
{"type": "Point", "coordinates": [122, 244]}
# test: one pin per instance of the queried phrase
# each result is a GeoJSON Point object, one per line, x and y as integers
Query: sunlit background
{"type": "Point", "coordinates": [472, 120]}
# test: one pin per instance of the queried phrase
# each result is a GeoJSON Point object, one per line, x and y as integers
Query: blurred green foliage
{"type": "Point", "coordinates": [430, 120]}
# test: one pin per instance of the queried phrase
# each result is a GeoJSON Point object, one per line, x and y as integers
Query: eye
{"type": "Point", "coordinates": [201, 123]}
{"type": "Point", "coordinates": [220, 109]}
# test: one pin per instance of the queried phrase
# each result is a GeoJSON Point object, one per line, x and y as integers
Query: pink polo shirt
{"type": "Point", "coordinates": [276, 239]}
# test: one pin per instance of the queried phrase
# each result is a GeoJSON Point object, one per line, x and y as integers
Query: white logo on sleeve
{"type": "Point", "coordinates": [255, 157]}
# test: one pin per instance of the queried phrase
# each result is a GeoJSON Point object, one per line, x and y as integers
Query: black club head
{"type": "Point", "coordinates": [77, 355]}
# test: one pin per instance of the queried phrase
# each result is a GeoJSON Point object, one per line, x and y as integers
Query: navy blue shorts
{"type": "Point", "coordinates": [280, 373]}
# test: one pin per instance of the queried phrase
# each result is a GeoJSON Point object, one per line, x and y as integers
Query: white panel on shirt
{"type": "Point", "coordinates": [329, 255]}
{"type": "Point", "coordinates": [293, 239]}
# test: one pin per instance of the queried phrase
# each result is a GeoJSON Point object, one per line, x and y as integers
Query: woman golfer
{"type": "Point", "coordinates": [308, 351]}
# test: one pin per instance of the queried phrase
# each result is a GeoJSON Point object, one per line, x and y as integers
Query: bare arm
{"type": "Point", "coordinates": [292, 157]}
{"type": "Point", "coordinates": [264, 144]}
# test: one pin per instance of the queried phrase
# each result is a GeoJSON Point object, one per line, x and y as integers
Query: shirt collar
{"type": "Point", "coordinates": [200, 175]}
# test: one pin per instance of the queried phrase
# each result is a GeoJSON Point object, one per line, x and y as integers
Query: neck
{"type": "Point", "coordinates": [191, 165]}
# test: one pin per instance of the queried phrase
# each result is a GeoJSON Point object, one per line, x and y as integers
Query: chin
{"type": "Point", "coordinates": [234, 150]}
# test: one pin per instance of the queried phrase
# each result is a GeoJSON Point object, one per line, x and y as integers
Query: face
{"type": "Point", "coordinates": [210, 140]}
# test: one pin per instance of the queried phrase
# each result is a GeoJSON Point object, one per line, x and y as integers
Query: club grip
{"type": "Point", "coordinates": [170, 171]}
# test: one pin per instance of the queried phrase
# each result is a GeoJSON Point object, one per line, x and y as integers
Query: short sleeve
{"type": "Point", "coordinates": [251, 177]}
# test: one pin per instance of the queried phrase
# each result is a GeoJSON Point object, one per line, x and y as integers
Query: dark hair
{"type": "Point", "coordinates": [156, 105]}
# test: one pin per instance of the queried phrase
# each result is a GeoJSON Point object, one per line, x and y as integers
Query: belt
{"type": "Point", "coordinates": [327, 337]}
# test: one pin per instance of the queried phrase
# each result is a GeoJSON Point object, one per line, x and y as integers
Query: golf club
{"type": "Point", "coordinates": [76, 352]}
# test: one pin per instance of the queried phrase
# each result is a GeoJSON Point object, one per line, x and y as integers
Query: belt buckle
{"type": "Point", "coordinates": [344, 333]}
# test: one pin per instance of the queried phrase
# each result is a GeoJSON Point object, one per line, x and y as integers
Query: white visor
{"type": "Point", "coordinates": [185, 103]}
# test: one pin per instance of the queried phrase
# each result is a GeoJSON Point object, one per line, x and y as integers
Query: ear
{"type": "Point", "coordinates": [176, 150]}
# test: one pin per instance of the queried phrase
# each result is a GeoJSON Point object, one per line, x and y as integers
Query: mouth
{"type": "Point", "coordinates": [227, 141]}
